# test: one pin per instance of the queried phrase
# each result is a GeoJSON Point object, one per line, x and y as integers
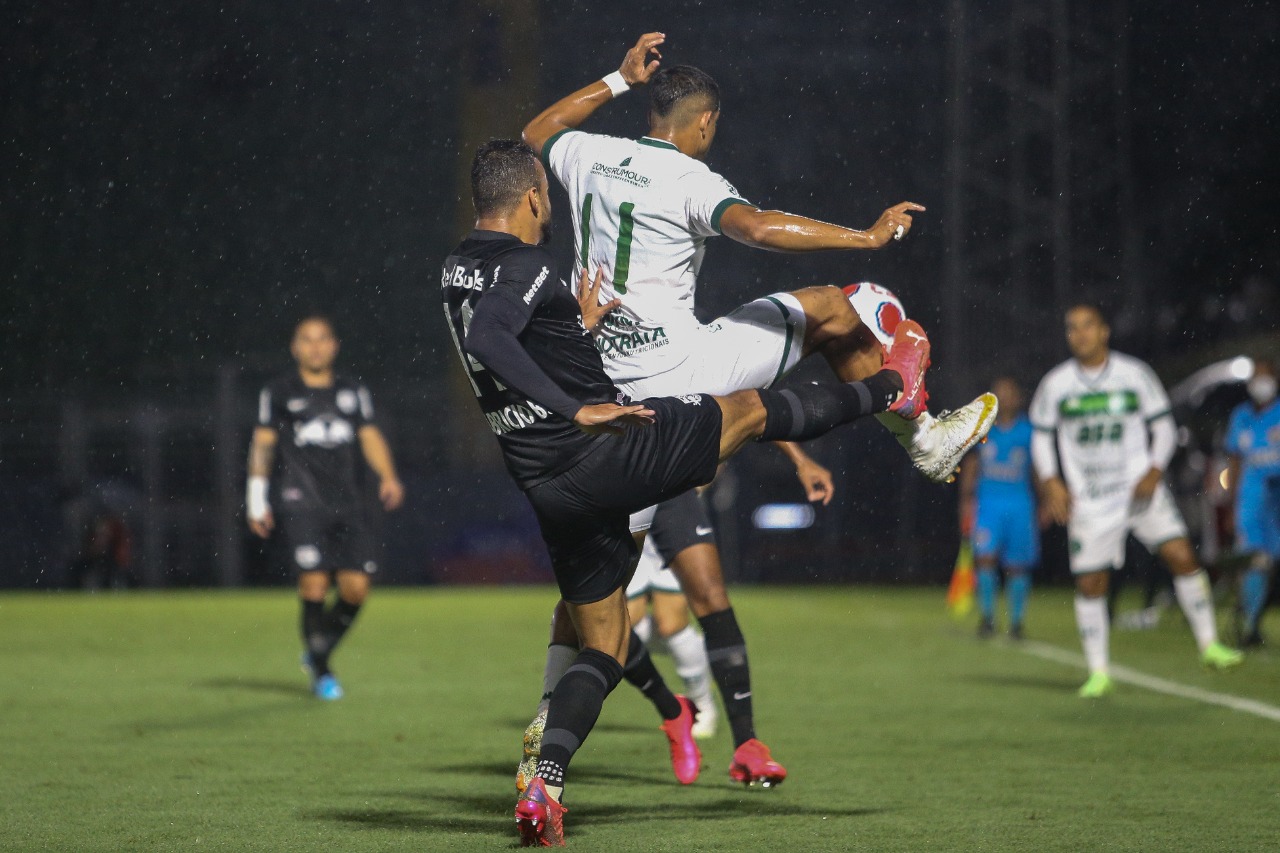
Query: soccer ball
{"type": "Point", "coordinates": [879, 309]}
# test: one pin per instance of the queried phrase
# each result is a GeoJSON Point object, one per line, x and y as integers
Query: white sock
{"type": "Point", "coordinates": [909, 433]}
{"type": "Point", "coordinates": [1091, 620]}
{"type": "Point", "coordinates": [1196, 601]}
{"type": "Point", "coordinates": [690, 655]}
{"type": "Point", "coordinates": [644, 629]}
{"type": "Point", "coordinates": [559, 659]}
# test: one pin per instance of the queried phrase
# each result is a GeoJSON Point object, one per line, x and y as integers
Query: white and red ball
{"type": "Point", "coordinates": [879, 309]}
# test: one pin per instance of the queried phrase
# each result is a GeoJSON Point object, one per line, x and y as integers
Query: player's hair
{"type": "Point", "coordinates": [1086, 305]}
{"type": "Point", "coordinates": [315, 317]}
{"type": "Point", "coordinates": [674, 86]}
{"type": "Point", "coordinates": [503, 170]}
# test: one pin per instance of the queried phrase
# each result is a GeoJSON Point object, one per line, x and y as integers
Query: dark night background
{"type": "Point", "coordinates": [182, 183]}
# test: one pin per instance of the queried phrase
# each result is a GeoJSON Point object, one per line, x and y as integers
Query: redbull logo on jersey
{"type": "Point", "coordinates": [461, 278]}
{"type": "Point", "coordinates": [620, 173]}
{"type": "Point", "coordinates": [323, 432]}
{"type": "Point", "coordinates": [515, 416]}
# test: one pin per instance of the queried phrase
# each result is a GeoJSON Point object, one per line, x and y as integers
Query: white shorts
{"type": "Point", "coordinates": [651, 575]}
{"type": "Point", "coordinates": [752, 346]}
{"type": "Point", "coordinates": [1097, 531]}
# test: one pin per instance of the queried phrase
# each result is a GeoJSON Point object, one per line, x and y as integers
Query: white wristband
{"type": "Point", "coordinates": [255, 500]}
{"type": "Point", "coordinates": [616, 84]}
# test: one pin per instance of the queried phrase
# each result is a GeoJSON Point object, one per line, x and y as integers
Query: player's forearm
{"type": "Point", "coordinates": [492, 339]}
{"type": "Point", "coordinates": [566, 113]}
{"type": "Point", "coordinates": [262, 454]}
{"type": "Point", "coordinates": [1233, 478]}
{"type": "Point", "coordinates": [792, 451]}
{"type": "Point", "coordinates": [377, 453]}
{"type": "Point", "coordinates": [778, 231]}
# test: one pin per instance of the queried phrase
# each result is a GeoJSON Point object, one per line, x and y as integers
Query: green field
{"type": "Point", "coordinates": [181, 722]}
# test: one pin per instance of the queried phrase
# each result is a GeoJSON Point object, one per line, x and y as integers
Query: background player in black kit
{"type": "Point", "coordinates": [315, 419]}
{"type": "Point", "coordinates": [584, 455]}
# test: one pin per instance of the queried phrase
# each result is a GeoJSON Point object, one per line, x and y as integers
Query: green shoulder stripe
{"type": "Point", "coordinates": [546, 146]}
{"type": "Point", "coordinates": [721, 208]}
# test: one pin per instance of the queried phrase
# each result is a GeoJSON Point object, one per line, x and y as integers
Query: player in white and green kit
{"type": "Point", "coordinates": [642, 212]}
{"type": "Point", "coordinates": [1114, 432]}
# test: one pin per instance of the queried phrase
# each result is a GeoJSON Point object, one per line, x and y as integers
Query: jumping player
{"type": "Point", "coordinates": [320, 512]}
{"type": "Point", "coordinates": [1109, 417]}
{"type": "Point", "coordinates": [584, 454]}
{"type": "Point", "coordinates": [642, 212]}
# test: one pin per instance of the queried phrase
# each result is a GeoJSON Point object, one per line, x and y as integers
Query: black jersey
{"type": "Point", "coordinates": [319, 460]}
{"type": "Point", "coordinates": [532, 418]}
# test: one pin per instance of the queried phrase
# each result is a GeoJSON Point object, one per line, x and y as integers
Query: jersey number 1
{"type": "Point", "coordinates": [622, 257]}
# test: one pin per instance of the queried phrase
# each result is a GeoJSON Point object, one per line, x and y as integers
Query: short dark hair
{"type": "Point", "coordinates": [503, 170]}
{"type": "Point", "coordinates": [672, 86]}
{"type": "Point", "coordinates": [1087, 305]}
{"type": "Point", "coordinates": [315, 317]}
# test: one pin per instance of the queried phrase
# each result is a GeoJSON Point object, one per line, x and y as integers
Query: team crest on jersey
{"type": "Point", "coordinates": [297, 404]}
{"type": "Point", "coordinates": [347, 401]}
{"type": "Point", "coordinates": [306, 556]}
{"type": "Point", "coordinates": [690, 399]}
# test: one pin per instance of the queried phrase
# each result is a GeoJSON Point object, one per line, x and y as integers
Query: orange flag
{"type": "Point", "coordinates": [963, 582]}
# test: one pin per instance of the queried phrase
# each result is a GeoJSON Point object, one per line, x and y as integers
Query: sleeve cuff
{"type": "Point", "coordinates": [720, 208]}
{"type": "Point", "coordinates": [1158, 415]}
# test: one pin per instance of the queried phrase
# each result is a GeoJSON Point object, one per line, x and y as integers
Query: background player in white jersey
{"type": "Point", "coordinates": [319, 490]}
{"type": "Point", "coordinates": [642, 211]}
{"type": "Point", "coordinates": [1115, 434]}
{"type": "Point", "coordinates": [659, 610]}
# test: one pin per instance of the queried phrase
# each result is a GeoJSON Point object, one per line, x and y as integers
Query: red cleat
{"type": "Point", "coordinates": [909, 358]}
{"type": "Point", "coordinates": [539, 818]}
{"type": "Point", "coordinates": [686, 758]}
{"type": "Point", "coordinates": [753, 765]}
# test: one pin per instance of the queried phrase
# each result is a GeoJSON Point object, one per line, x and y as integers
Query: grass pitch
{"type": "Point", "coordinates": [181, 722]}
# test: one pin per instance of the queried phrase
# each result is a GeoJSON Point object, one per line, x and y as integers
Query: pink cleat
{"type": "Point", "coordinates": [686, 758]}
{"type": "Point", "coordinates": [752, 764]}
{"type": "Point", "coordinates": [909, 358]}
{"type": "Point", "coordinates": [539, 818]}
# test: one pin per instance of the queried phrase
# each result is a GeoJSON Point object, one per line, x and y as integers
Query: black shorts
{"type": "Point", "coordinates": [679, 523]}
{"type": "Point", "coordinates": [318, 540]}
{"type": "Point", "coordinates": [584, 512]}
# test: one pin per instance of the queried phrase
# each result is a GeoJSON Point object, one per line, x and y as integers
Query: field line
{"type": "Point", "coordinates": [1151, 682]}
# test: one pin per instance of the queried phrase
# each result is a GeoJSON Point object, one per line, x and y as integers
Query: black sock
{"type": "Point", "coordinates": [338, 619]}
{"type": "Point", "coordinates": [641, 673]}
{"type": "Point", "coordinates": [808, 411]}
{"type": "Point", "coordinates": [727, 652]}
{"type": "Point", "coordinates": [575, 707]}
{"type": "Point", "coordinates": [313, 636]}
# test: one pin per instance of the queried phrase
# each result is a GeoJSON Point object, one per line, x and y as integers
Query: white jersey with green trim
{"type": "Point", "coordinates": [642, 212]}
{"type": "Point", "coordinates": [1101, 424]}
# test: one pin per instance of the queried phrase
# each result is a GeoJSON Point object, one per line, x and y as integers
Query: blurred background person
{"type": "Point", "coordinates": [998, 510]}
{"type": "Point", "coordinates": [1253, 442]}
{"type": "Point", "coordinates": [320, 489]}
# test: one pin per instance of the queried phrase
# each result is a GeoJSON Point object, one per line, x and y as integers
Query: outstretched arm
{"type": "Point", "coordinates": [573, 110]}
{"type": "Point", "coordinates": [786, 232]}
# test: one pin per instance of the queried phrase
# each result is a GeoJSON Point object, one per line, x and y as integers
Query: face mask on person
{"type": "Point", "coordinates": [1262, 389]}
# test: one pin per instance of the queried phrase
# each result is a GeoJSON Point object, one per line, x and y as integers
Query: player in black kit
{"type": "Point", "coordinates": [315, 419]}
{"type": "Point", "coordinates": [585, 456]}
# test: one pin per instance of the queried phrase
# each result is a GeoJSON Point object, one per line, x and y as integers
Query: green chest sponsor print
{"type": "Point", "coordinates": [1098, 417]}
{"type": "Point", "coordinates": [621, 336]}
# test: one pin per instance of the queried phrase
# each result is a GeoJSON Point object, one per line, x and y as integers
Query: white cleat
{"type": "Point", "coordinates": [939, 444]}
